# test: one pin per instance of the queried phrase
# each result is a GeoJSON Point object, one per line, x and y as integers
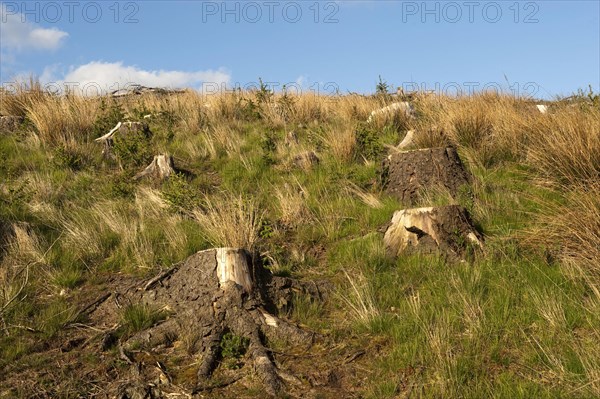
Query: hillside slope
{"type": "Point", "coordinates": [299, 182]}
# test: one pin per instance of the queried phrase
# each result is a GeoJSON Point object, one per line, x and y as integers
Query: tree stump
{"type": "Point", "coordinates": [407, 173]}
{"type": "Point", "coordinates": [291, 139]}
{"type": "Point", "coordinates": [9, 124]}
{"type": "Point", "coordinates": [306, 160]}
{"type": "Point", "coordinates": [214, 292]}
{"type": "Point", "coordinates": [447, 229]}
{"type": "Point", "coordinates": [160, 168]}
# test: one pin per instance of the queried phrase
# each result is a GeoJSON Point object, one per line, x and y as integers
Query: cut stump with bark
{"type": "Point", "coordinates": [214, 292]}
{"type": "Point", "coordinates": [446, 229]}
{"type": "Point", "coordinates": [10, 123]}
{"type": "Point", "coordinates": [408, 173]}
{"type": "Point", "coordinates": [306, 160]}
{"type": "Point", "coordinates": [160, 168]}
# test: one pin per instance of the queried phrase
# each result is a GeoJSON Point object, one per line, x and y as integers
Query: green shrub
{"type": "Point", "coordinates": [134, 148]}
{"type": "Point", "coordinates": [233, 348]}
{"type": "Point", "coordinates": [120, 186]}
{"type": "Point", "coordinates": [109, 116]}
{"type": "Point", "coordinates": [68, 157]}
{"type": "Point", "coordinates": [180, 194]}
{"type": "Point", "coordinates": [368, 145]}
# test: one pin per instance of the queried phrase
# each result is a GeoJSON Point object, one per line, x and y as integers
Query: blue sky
{"type": "Point", "coordinates": [543, 48]}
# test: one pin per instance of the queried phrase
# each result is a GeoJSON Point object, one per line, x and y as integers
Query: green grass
{"type": "Point", "coordinates": [138, 317]}
{"type": "Point", "coordinates": [512, 322]}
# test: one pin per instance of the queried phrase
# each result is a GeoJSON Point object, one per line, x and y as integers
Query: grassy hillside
{"type": "Point", "coordinates": [521, 320]}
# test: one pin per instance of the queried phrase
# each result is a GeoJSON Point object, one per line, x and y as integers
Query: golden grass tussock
{"type": "Point", "coordinates": [24, 251]}
{"type": "Point", "coordinates": [360, 298]}
{"type": "Point", "coordinates": [367, 198]}
{"type": "Point", "coordinates": [19, 96]}
{"type": "Point", "coordinates": [142, 230]}
{"type": "Point", "coordinates": [63, 120]}
{"type": "Point", "coordinates": [340, 141]}
{"type": "Point", "coordinates": [230, 221]}
{"type": "Point", "coordinates": [564, 147]}
{"type": "Point", "coordinates": [291, 204]}
{"type": "Point", "coordinates": [570, 230]}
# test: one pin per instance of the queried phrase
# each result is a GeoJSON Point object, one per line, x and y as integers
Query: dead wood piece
{"type": "Point", "coordinates": [399, 107]}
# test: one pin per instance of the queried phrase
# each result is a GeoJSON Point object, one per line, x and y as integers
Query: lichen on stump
{"type": "Point", "coordinates": [446, 229]}
{"type": "Point", "coordinates": [214, 292]}
{"type": "Point", "coordinates": [408, 173]}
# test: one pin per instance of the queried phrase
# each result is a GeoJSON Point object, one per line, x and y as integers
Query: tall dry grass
{"type": "Point", "coordinates": [340, 140]}
{"type": "Point", "coordinates": [488, 128]}
{"type": "Point", "coordinates": [230, 221]}
{"type": "Point", "coordinates": [360, 298]}
{"type": "Point", "coordinates": [291, 204]}
{"type": "Point", "coordinates": [16, 99]}
{"type": "Point", "coordinates": [134, 228]}
{"type": "Point", "coordinates": [63, 120]}
{"type": "Point", "coordinates": [23, 252]}
{"type": "Point", "coordinates": [570, 229]}
{"type": "Point", "coordinates": [564, 146]}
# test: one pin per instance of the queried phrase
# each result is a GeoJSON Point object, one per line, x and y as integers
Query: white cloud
{"type": "Point", "coordinates": [104, 77]}
{"type": "Point", "coordinates": [18, 34]}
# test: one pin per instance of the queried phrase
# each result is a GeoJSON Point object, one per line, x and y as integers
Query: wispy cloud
{"type": "Point", "coordinates": [102, 77]}
{"type": "Point", "coordinates": [19, 34]}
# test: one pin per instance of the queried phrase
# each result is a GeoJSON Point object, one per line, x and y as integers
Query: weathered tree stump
{"type": "Point", "coordinates": [160, 168]}
{"type": "Point", "coordinates": [214, 292]}
{"type": "Point", "coordinates": [9, 124]}
{"type": "Point", "coordinates": [291, 139]}
{"type": "Point", "coordinates": [306, 160]}
{"type": "Point", "coordinates": [407, 173]}
{"type": "Point", "coordinates": [447, 229]}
